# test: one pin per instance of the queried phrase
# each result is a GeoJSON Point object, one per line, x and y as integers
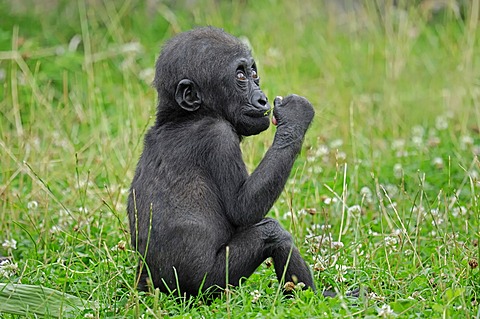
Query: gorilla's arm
{"type": "Point", "coordinates": [249, 198]}
{"type": "Point", "coordinates": [262, 188]}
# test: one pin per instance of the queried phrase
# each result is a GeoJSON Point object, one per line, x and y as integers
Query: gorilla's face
{"type": "Point", "coordinates": [212, 73]}
{"type": "Point", "coordinates": [248, 108]}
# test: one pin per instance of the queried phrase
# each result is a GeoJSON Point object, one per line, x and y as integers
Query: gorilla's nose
{"type": "Point", "coordinates": [260, 101]}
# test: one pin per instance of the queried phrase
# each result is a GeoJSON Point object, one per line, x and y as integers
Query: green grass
{"type": "Point", "coordinates": [396, 133]}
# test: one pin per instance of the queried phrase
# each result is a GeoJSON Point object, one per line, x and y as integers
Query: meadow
{"type": "Point", "coordinates": [384, 195]}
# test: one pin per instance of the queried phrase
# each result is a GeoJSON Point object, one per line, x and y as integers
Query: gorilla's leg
{"type": "Point", "coordinates": [297, 269]}
{"type": "Point", "coordinates": [251, 246]}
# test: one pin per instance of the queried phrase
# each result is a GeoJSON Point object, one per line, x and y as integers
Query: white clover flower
{"type": "Point", "coordinates": [396, 232]}
{"type": "Point", "coordinates": [83, 183]}
{"type": "Point", "coordinates": [466, 141]}
{"type": "Point", "coordinates": [392, 190]}
{"type": "Point", "coordinates": [476, 149]}
{"type": "Point", "coordinates": [437, 218]}
{"type": "Point", "coordinates": [147, 74]}
{"type": "Point", "coordinates": [60, 50]}
{"type": "Point", "coordinates": [322, 151]}
{"type": "Point", "coordinates": [418, 131]}
{"type": "Point", "coordinates": [63, 213]}
{"type": "Point", "coordinates": [256, 295]}
{"type": "Point", "coordinates": [315, 169]}
{"type": "Point", "coordinates": [456, 211]}
{"type": "Point", "coordinates": [22, 81]}
{"type": "Point", "coordinates": [434, 141]}
{"type": "Point", "coordinates": [398, 144]}
{"type": "Point", "coordinates": [313, 228]}
{"type": "Point", "coordinates": [321, 262]}
{"type": "Point", "coordinates": [336, 245]}
{"type": "Point", "coordinates": [32, 205]}
{"type": "Point", "coordinates": [342, 270]}
{"type": "Point", "coordinates": [134, 47]}
{"type": "Point", "coordinates": [311, 159]}
{"type": "Point", "coordinates": [419, 210]}
{"type": "Point", "coordinates": [437, 162]}
{"type": "Point", "coordinates": [121, 245]}
{"type": "Point", "coordinates": [417, 141]}
{"type": "Point", "coordinates": [341, 156]}
{"type": "Point", "coordinates": [441, 123]}
{"type": "Point", "coordinates": [9, 244]}
{"type": "Point", "coordinates": [365, 191]}
{"type": "Point", "coordinates": [299, 286]}
{"type": "Point", "coordinates": [366, 194]}
{"type": "Point", "coordinates": [355, 210]}
{"type": "Point", "coordinates": [385, 311]}
{"type": "Point", "coordinates": [393, 205]}
{"type": "Point", "coordinates": [287, 215]}
{"type": "Point", "coordinates": [372, 233]}
{"type": "Point", "coordinates": [340, 278]}
{"type": "Point", "coordinates": [302, 212]}
{"type": "Point", "coordinates": [374, 296]}
{"type": "Point", "coordinates": [390, 241]}
{"type": "Point", "coordinates": [7, 268]}
{"type": "Point", "coordinates": [359, 250]}
{"type": "Point", "coordinates": [336, 143]}
{"type": "Point", "coordinates": [398, 170]}
{"type": "Point", "coordinates": [401, 154]}
{"type": "Point", "coordinates": [325, 227]}
{"type": "Point", "coordinates": [319, 241]}
{"type": "Point", "coordinates": [55, 229]}
{"type": "Point", "coordinates": [417, 295]}
{"type": "Point", "coordinates": [318, 266]}
{"type": "Point", "coordinates": [474, 175]}
{"type": "Point", "coordinates": [330, 200]}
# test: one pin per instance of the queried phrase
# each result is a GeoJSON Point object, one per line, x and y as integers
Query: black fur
{"type": "Point", "coordinates": [192, 196]}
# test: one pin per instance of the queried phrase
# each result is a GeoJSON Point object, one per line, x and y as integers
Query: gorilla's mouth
{"type": "Point", "coordinates": [257, 112]}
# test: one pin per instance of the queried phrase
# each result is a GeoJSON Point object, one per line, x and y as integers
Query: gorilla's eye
{"type": "Point", "coordinates": [241, 75]}
{"type": "Point", "coordinates": [254, 74]}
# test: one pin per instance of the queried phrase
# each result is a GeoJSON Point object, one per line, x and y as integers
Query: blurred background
{"type": "Point", "coordinates": [396, 89]}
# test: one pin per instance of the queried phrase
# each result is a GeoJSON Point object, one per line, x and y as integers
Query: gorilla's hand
{"type": "Point", "coordinates": [292, 115]}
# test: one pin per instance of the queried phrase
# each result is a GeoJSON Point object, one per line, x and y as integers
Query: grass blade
{"type": "Point", "coordinates": [20, 299]}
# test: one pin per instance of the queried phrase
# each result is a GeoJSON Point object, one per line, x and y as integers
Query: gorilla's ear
{"type": "Point", "coordinates": [188, 96]}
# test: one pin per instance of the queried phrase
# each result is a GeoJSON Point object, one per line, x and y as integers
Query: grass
{"type": "Point", "coordinates": [384, 195]}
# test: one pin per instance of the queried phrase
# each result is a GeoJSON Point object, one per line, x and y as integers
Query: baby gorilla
{"type": "Point", "coordinates": [193, 207]}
